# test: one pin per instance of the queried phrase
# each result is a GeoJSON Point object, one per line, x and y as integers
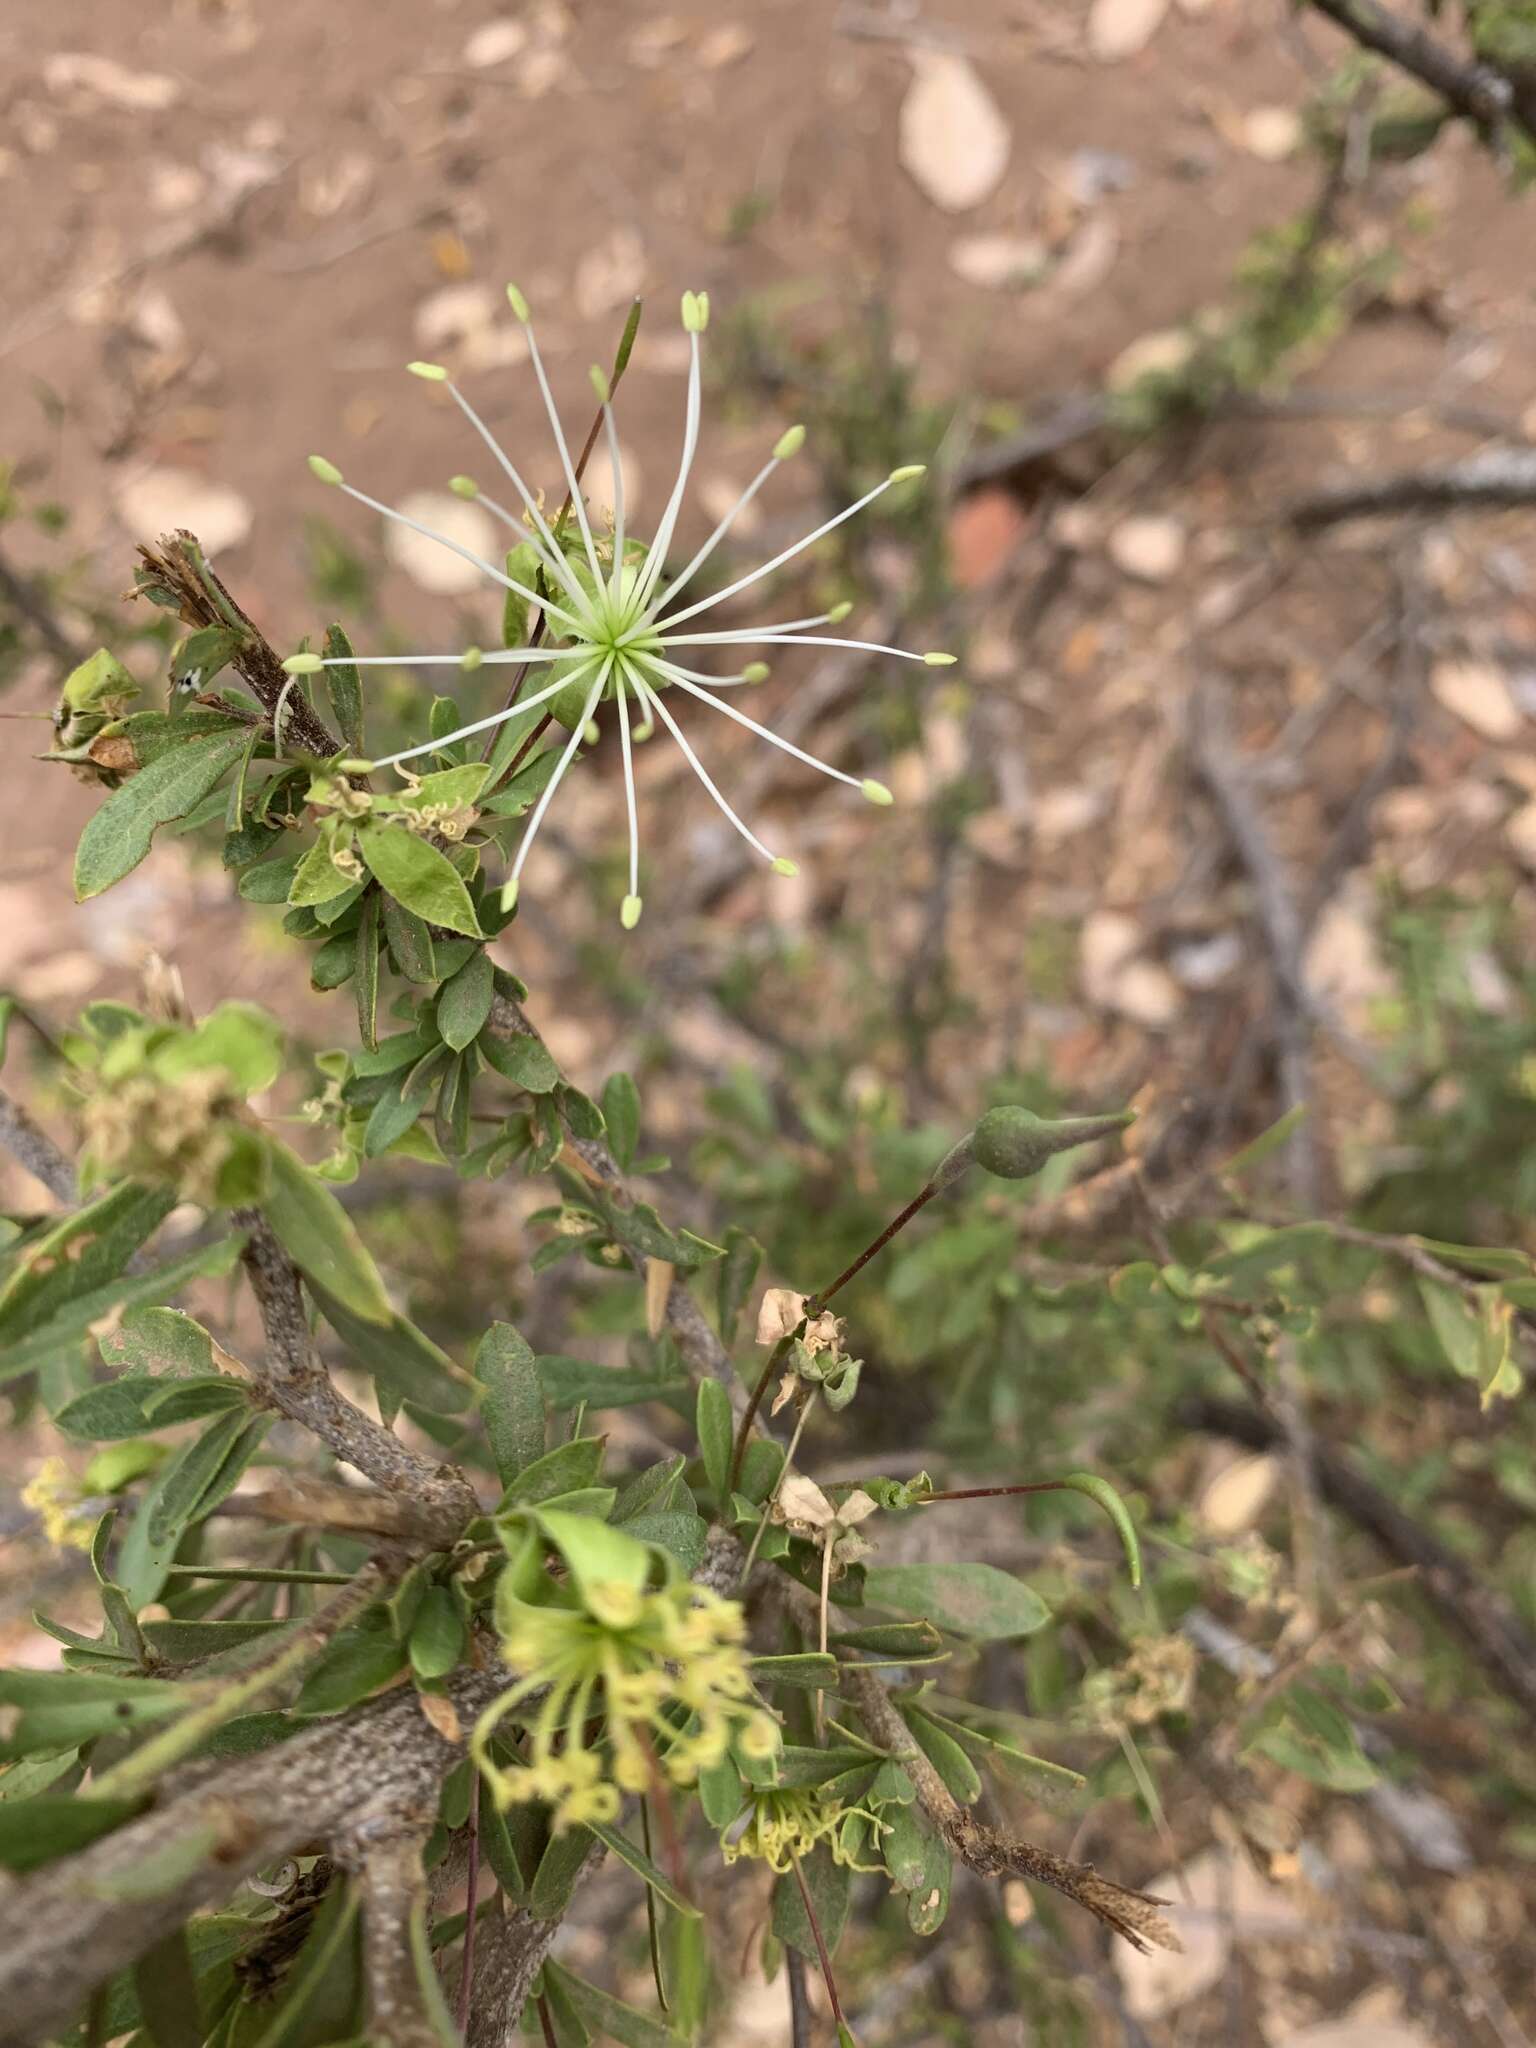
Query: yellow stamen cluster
{"type": "Point", "coordinates": [163, 1129]}
{"type": "Point", "coordinates": [53, 1494]}
{"type": "Point", "coordinates": [783, 1826]}
{"type": "Point", "coordinates": [663, 1671]}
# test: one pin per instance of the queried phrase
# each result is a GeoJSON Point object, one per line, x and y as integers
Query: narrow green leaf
{"type": "Point", "coordinates": [345, 689]}
{"type": "Point", "coordinates": [437, 1635]}
{"type": "Point", "coordinates": [410, 943]}
{"type": "Point", "coordinates": [521, 1059]}
{"type": "Point", "coordinates": [416, 874]}
{"type": "Point", "coordinates": [609, 2016]}
{"type": "Point", "coordinates": [321, 1239]}
{"type": "Point", "coordinates": [1100, 1490]}
{"type": "Point", "coordinates": [621, 1116]}
{"type": "Point", "coordinates": [365, 973]}
{"type": "Point", "coordinates": [830, 1887]}
{"type": "Point", "coordinates": [566, 1468]}
{"type": "Point", "coordinates": [357, 1663]}
{"type": "Point", "coordinates": [75, 1319]}
{"type": "Point", "coordinates": [631, 1853]}
{"type": "Point", "coordinates": [402, 1358]}
{"type": "Point", "coordinates": [86, 1248]}
{"type": "Point", "coordinates": [570, 1382]}
{"type": "Point", "coordinates": [118, 837]}
{"type": "Point", "coordinates": [513, 1407]}
{"type": "Point", "coordinates": [716, 1429]}
{"type": "Point", "coordinates": [555, 1879]}
{"type": "Point", "coordinates": [34, 1831]}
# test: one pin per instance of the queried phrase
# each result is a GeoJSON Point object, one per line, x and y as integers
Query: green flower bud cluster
{"type": "Point", "coordinates": [166, 1102]}
{"type": "Point", "coordinates": [1014, 1143]}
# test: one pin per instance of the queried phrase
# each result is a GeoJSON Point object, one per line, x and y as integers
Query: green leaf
{"type": "Point", "coordinates": [717, 1435]}
{"type": "Point", "coordinates": [734, 1280]}
{"type": "Point", "coordinates": [75, 1318]}
{"type": "Point", "coordinates": [400, 1356]}
{"type": "Point", "coordinates": [465, 1001]}
{"type": "Point", "coordinates": [521, 1059]}
{"type": "Point", "coordinates": [830, 1886]}
{"type": "Point", "coordinates": [915, 1639]}
{"type": "Point", "coordinates": [621, 1117]}
{"type": "Point", "coordinates": [157, 1340]}
{"type": "Point", "coordinates": [1475, 1334]}
{"type": "Point", "coordinates": [199, 1477]}
{"type": "Point", "coordinates": [129, 1407]}
{"type": "Point", "coordinates": [167, 1991]}
{"type": "Point", "coordinates": [808, 1668]}
{"type": "Point", "coordinates": [500, 1852]}
{"type": "Point", "coordinates": [631, 1853]}
{"type": "Point", "coordinates": [416, 874]}
{"type": "Point", "coordinates": [86, 1248]}
{"type": "Point", "coordinates": [320, 1238]}
{"type": "Point", "coordinates": [318, 2001]}
{"type": "Point", "coordinates": [34, 1831]}
{"type": "Point", "coordinates": [946, 1756]}
{"type": "Point", "coordinates": [576, 1382]}
{"type": "Point", "coordinates": [365, 972]}
{"type": "Point", "coordinates": [1498, 1264]}
{"type": "Point", "coordinates": [678, 1530]}
{"type": "Point", "coordinates": [555, 1879]}
{"type": "Point", "coordinates": [609, 2016]}
{"type": "Point", "coordinates": [117, 838]}
{"type": "Point", "coordinates": [357, 1663]}
{"type": "Point", "coordinates": [513, 1406]}
{"type": "Point", "coordinates": [973, 1600]}
{"type": "Point", "coordinates": [61, 1709]}
{"type": "Point", "coordinates": [344, 686]}
{"type": "Point", "coordinates": [437, 1636]}
{"type": "Point", "coordinates": [567, 1467]}
{"type": "Point", "coordinates": [410, 942]}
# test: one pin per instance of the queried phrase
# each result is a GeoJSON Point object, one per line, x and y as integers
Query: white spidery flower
{"type": "Point", "coordinates": [617, 628]}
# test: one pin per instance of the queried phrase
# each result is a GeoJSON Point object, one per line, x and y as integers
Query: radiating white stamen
{"type": "Point", "coordinates": [763, 732]}
{"type": "Point", "coordinates": [685, 575]}
{"type": "Point", "coordinates": [483, 724]}
{"type": "Point", "coordinates": [629, 789]}
{"type": "Point", "coordinates": [467, 554]}
{"type": "Point", "coordinates": [653, 704]}
{"type": "Point", "coordinates": [748, 637]}
{"type": "Point", "coordinates": [438, 660]}
{"type": "Point", "coordinates": [571, 484]}
{"type": "Point", "coordinates": [655, 561]}
{"type": "Point", "coordinates": [578, 734]}
{"type": "Point", "coordinates": [556, 558]}
{"type": "Point", "coordinates": [799, 547]}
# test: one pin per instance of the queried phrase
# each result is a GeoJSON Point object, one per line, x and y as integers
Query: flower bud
{"type": "Point", "coordinates": [1013, 1142]}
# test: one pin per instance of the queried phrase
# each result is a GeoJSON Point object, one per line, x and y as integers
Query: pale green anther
{"type": "Point", "coordinates": [629, 912]}
{"type": "Point", "coordinates": [790, 442]}
{"type": "Point", "coordinates": [695, 311]}
{"type": "Point", "coordinates": [463, 487]}
{"type": "Point", "coordinates": [327, 472]}
{"type": "Point", "coordinates": [755, 672]}
{"type": "Point", "coordinates": [593, 732]}
{"type": "Point", "coordinates": [518, 303]}
{"type": "Point", "coordinates": [910, 469]}
{"type": "Point", "coordinates": [509, 888]}
{"type": "Point", "coordinates": [471, 659]}
{"type": "Point", "coordinates": [303, 665]}
{"type": "Point", "coordinates": [351, 767]}
{"type": "Point", "coordinates": [786, 867]}
{"type": "Point", "coordinates": [839, 612]}
{"type": "Point", "coordinates": [941, 660]}
{"type": "Point", "coordinates": [876, 792]}
{"type": "Point", "coordinates": [600, 384]}
{"type": "Point", "coordinates": [431, 373]}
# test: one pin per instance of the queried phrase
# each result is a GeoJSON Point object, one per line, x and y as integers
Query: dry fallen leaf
{"type": "Point", "coordinates": [433, 567]}
{"type": "Point", "coordinates": [1478, 694]}
{"type": "Point", "coordinates": [139, 92]}
{"type": "Point", "coordinates": [1119, 28]}
{"type": "Point", "coordinates": [493, 43]}
{"type": "Point", "coordinates": [1149, 546]}
{"type": "Point", "coordinates": [443, 1715]}
{"type": "Point", "coordinates": [998, 262]}
{"type": "Point", "coordinates": [952, 141]}
{"type": "Point", "coordinates": [802, 1500]}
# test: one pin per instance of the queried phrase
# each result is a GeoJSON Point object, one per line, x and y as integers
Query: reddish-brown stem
{"type": "Point", "coordinates": [992, 1492]}
{"type": "Point", "coordinates": [821, 1946]}
{"type": "Point", "coordinates": [546, 2023]}
{"type": "Point", "coordinates": [671, 1842]}
{"type": "Point", "coordinates": [471, 1901]}
{"type": "Point", "coordinates": [744, 1432]}
{"type": "Point", "coordinates": [818, 1302]}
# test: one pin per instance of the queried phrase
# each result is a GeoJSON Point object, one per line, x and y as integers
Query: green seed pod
{"type": "Point", "coordinates": [1013, 1142]}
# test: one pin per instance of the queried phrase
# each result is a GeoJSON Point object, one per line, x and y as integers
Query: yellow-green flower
{"type": "Point", "coordinates": [781, 1826]}
{"type": "Point", "coordinates": [631, 1681]}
